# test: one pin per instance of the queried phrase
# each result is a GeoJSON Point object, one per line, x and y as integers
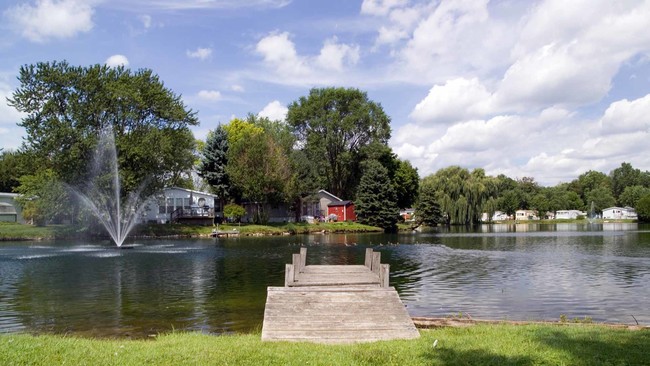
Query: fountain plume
{"type": "Point", "coordinates": [102, 192]}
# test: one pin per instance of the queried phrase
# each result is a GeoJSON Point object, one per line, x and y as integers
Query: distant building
{"type": "Point", "coordinates": [176, 204]}
{"type": "Point", "coordinates": [497, 216]}
{"type": "Point", "coordinates": [344, 210]}
{"type": "Point", "coordinates": [10, 210]}
{"type": "Point", "coordinates": [526, 215]}
{"type": "Point", "coordinates": [620, 213]}
{"type": "Point", "coordinates": [315, 206]}
{"type": "Point", "coordinates": [408, 214]}
{"type": "Point", "coordinates": [569, 214]}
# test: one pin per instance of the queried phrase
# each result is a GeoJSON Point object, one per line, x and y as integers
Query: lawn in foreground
{"type": "Point", "coordinates": [476, 345]}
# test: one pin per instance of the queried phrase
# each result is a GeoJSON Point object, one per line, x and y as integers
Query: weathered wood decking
{"type": "Point", "coordinates": [336, 304]}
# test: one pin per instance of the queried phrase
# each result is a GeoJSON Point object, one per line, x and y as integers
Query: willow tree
{"type": "Point", "coordinates": [461, 194]}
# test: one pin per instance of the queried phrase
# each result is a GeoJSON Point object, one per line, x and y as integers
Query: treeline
{"type": "Point", "coordinates": [334, 139]}
{"type": "Point", "coordinates": [455, 195]}
{"type": "Point", "coordinates": [330, 140]}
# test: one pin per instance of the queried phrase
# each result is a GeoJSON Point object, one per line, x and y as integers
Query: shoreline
{"type": "Point", "coordinates": [455, 322]}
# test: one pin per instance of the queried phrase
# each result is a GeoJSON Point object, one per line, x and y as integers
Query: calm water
{"type": "Point", "coordinates": [522, 272]}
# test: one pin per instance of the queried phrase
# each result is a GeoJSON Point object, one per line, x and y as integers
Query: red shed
{"type": "Point", "coordinates": [344, 210]}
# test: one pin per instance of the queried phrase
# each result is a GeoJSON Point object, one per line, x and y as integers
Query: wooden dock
{"type": "Point", "coordinates": [336, 304]}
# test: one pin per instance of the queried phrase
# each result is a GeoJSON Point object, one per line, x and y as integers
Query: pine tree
{"type": "Point", "coordinates": [212, 167]}
{"type": "Point", "coordinates": [376, 201]}
{"type": "Point", "coordinates": [428, 210]}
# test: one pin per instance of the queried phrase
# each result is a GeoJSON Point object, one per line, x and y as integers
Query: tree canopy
{"type": "Point", "coordinates": [333, 125]}
{"type": "Point", "coordinates": [66, 107]}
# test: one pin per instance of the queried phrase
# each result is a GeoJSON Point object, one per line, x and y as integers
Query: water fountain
{"type": "Point", "coordinates": [102, 193]}
{"type": "Point", "coordinates": [592, 216]}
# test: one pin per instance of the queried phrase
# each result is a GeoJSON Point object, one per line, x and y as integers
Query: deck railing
{"type": "Point", "coordinates": [194, 212]}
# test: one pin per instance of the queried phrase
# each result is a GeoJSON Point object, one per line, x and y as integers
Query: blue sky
{"type": "Point", "coordinates": [548, 89]}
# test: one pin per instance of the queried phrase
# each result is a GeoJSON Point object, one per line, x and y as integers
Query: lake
{"type": "Point", "coordinates": [217, 286]}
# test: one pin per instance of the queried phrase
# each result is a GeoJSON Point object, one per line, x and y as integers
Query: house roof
{"type": "Point", "coordinates": [329, 194]}
{"type": "Point", "coordinates": [340, 203]}
{"type": "Point", "coordinates": [192, 191]}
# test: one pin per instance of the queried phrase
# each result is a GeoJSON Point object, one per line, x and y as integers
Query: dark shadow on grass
{"type": "Point", "coordinates": [593, 346]}
{"type": "Point", "coordinates": [445, 356]}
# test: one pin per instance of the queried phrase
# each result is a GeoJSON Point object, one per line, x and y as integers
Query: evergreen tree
{"type": "Point", "coordinates": [212, 167]}
{"type": "Point", "coordinates": [427, 210]}
{"type": "Point", "coordinates": [376, 202]}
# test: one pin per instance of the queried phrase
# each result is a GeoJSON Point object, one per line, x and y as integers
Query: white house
{"type": "Point", "coordinates": [497, 216]}
{"type": "Point", "coordinates": [526, 215]}
{"type": "Point", "coordinates": [315, 206]}
{"type": "Point", "coordinates": [181, 204]}
{"type": "Point", "coordinates": [10, 210]}
{"type": "Point", "coordinates": [619, 213]}
{"type": "Point", "coordinates": [569, 214]}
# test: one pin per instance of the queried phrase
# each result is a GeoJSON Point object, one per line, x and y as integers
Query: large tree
{"type": "Point", "coordinates": [375, 204]}
{"type": "Point", "coordinates": [427, 210]}
{"type": "Point", "coordinates": [406, 182]}
{"type": "Point", "coordinates": [333, 125]}
{"type": "Point", "coordinates": [625, 176]}
{"type": "Point", "coordinates": [214, 160]}
{"type": "Point", "coordinates": [258, 161]}
{"type": "Point", "coordinates": [462, 194]}
{"type": "Point", "coordinates": [11, 170]}
{"type": "Point", "coordinates": [66, 107]}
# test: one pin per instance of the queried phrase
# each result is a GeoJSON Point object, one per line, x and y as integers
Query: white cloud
{"type": "Point", "coordinates": [279, 53]}
{"type": "Point", "coordinates": [455, 100]}
{"type": "Point", "coordinates": [146, 20]}
{"type": "Point", "coordinates": [200, 53]}
{"type": "Point", "coordinates": [197, 4]}
{"type": "Point", "coordinates": [46, 19]}
{"type": "Point", "coordinates": [569, 53]}
{"type": "Point", "coordinates": [627, 117]}
{"type": "Point", "coordinates": [237, 88]}
{"type": "Point", "coordinates": [117, 60]}
{"type": "Point", "coordinates": [380, 7]}
{"type": "Point", "coordinates": [274, 111]}
{"type": "Point", "coordinates": [210, 95]}
{"type": "Point", "coordinates": [334, 55]}
{"type": "Point", "coordinates": [284, 65]}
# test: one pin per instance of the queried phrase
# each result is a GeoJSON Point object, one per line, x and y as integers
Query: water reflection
{"type": "Point", "coordinates": [219, 285]}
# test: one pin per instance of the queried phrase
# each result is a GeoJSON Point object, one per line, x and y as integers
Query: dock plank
{"type": "Point", "coordinates": [336, 304]}
{"type": "Point", "coordinates": [335, 315]}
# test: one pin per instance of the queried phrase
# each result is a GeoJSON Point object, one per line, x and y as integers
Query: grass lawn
{"type": "Point", "coordinates": [13, 231]}
{"type": "Point", "coordinates": [476, 345]}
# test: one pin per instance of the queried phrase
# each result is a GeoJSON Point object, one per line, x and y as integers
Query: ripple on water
{"type": "Point", "coordinates": [110, 254]}
{"type": "Point", "coordinates": [34, 256]}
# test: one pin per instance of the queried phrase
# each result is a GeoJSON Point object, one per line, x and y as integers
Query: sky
{"type": "Point", "coordinates": [546, 89]}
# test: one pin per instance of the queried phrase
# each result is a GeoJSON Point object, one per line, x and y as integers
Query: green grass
{"type": "Point", "coordinates": [13, 231]}
{"type": "Point", "coordinates": [476, 345]}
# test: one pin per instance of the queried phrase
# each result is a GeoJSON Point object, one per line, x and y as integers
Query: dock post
{"type": "Point", "coordinates": [296, 263]}
{"type": "Point", "coordinates": [383, 275]}
{"type": "Point", "coordinates": [368, 260]}
{"type": "Point", "coordinates": [376, 262]}
{"type": "Point", "coordinates": [289, 275]}
{"type": "Point", "coordinates": [303, 259]}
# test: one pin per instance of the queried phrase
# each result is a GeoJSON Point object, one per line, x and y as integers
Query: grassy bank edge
{"type": "Point", "coordinates": [483, 344]}
{"type": "Point", "coordinates": [16, 232]}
